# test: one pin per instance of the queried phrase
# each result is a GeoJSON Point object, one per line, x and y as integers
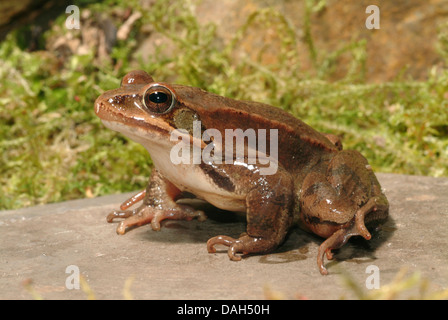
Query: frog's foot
{"type": "Point", "coordinates": [336, 240]}
{"type": "Point", "coordinates": [341, 236]}
{"type": "Point", "coordinates": [147, 214]}
{"type": "Point", "coordinates": [245, 245]}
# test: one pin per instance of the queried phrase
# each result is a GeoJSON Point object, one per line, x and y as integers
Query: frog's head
{"type": "Point", "coordinates": [144, 110]}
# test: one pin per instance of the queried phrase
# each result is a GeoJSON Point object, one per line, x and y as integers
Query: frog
{"type": "Point", "coordinates": [317, 185]}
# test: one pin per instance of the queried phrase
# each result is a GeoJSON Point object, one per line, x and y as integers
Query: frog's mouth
{"type": "Point", "coordinates": [145, 135]}
{"type": "Point", "coordinates": [151, 136]}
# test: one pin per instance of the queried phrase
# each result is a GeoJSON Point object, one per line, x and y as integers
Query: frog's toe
{"type": "Point", "coordinates": [116, 214]}
{"type": "Point", "coordinates": [233, 244]}
{"type": "Point", "coordinates": [140, 218]}
{"type": "Point", "coordinates": [338, 239]}
{"type": "Point", "coordinates": [246, 244]}
{"type": "Point", "coordinates": [180, 212]}
{"type": "Point", "coordinates": [150, 215]}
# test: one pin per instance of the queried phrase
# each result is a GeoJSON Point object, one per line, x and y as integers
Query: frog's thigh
{"type": "Point", "coordinates": [319, 200]}
{"type": "Point", "coordinates": [269, 216]}
{"type": "Point", "coordinates": [269, 209]}
{"type": "Point", "coordinates": [341, 188]}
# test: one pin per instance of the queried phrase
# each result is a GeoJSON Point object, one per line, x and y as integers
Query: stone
{"type": "Point", "coordinates": [43, 247]}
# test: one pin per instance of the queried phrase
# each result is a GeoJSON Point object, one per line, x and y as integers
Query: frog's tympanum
{"type": "Point", "coordinates": [313, 182]}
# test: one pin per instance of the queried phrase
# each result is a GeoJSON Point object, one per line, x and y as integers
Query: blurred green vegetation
{"type": "Point", "coordinates": [54, 148]}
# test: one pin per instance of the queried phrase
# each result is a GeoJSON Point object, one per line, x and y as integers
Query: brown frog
{"type": "Point", "coordinates": [291, 174]}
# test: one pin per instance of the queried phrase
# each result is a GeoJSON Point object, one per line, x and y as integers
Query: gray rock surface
{"type": "Point", "coordinates": [39, 243]}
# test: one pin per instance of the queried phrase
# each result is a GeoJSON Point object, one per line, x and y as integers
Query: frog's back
{"type": "Point", "coordinates": [298, 143]}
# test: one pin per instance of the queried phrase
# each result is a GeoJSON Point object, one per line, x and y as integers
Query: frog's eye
{"type": "Point", "coordinates": [159, 99]}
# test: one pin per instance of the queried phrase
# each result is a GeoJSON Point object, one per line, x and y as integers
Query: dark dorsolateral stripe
{"type": "Point", "coordinates": [219, 179]}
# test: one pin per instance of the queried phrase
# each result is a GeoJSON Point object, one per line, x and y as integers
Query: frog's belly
{"type": "Point", "coordinates": [191, 178]}
{"type": "Point", "coordinates": [196, 182]}
{"type": "Point", "coordinates": [223, 202]}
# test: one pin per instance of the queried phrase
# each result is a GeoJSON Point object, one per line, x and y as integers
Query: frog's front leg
{"type": "Point", "coordinates": [269, 217]}
{"type": "Point", "coordinates": [158, 204]}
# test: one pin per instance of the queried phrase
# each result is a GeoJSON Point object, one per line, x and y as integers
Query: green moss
{"type": "Point", "coordinates": [54, 148]}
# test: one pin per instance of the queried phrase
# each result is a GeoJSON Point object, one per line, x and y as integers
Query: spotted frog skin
{"type": "Point", "coordinates": [329, 191]}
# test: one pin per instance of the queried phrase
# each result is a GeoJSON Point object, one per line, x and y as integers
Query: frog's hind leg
{"type": "Point", "coordinates": [338, 199]}
{"type": "Point", "coordinates": [269, 217]}
{"type": "Point", "coordinates": [357, 228]}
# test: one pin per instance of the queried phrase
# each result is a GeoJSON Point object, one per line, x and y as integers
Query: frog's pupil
{"type": "Point", "coordinates": [158, 97]}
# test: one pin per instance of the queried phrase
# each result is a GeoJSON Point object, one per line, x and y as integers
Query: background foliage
{"type": "Point", "coordinates": [54, 148]}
